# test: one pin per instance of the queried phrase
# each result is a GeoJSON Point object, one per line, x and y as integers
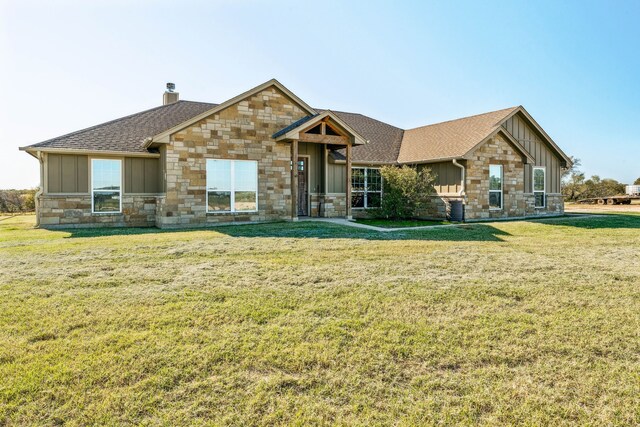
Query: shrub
{"type": "Point", "coordinates": [405, 191]}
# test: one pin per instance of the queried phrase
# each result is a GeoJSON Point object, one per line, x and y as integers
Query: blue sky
{"type": "Point", "coordinates": [575, 65]}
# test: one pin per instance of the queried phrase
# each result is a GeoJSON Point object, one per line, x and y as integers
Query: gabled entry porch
{"type": "Point", "coordinates": [314, 188]}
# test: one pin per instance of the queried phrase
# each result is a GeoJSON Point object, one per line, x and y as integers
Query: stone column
{"type": "Point", "coordinates": [348, 183]}
{"type": "Point", "coordinates": [294, 180]}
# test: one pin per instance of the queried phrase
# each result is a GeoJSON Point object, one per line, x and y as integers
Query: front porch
{"type": "Point", "coordinates": [320, 187]}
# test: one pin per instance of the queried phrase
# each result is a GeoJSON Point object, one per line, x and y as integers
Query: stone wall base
{"type": "Point", "coordinates": [332, 205]}
{"type": "Point", "coordinates": [75, 212]}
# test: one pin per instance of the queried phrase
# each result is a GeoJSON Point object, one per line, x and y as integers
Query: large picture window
{"type": "Point", "coordinates": [232, 185]}
{"type": "Point", "coordinates": [539, 187]}
{"type": "Point", "coordinates": [106, 185]}
{"type": "Point", "coordinates": [366, 188]}
{"type": "Point", "coordinates": [495, 187]}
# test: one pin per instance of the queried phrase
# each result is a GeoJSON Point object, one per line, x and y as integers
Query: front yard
{"type": "Point", "coordinates": [529, 323]}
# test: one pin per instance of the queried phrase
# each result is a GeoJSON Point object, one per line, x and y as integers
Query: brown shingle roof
{"type": "Point", "coordinates": [387, 143]}
{"type": "Point", "coordinates": [450, 139]}
{"type": "Point", "coordinates": [384, 139]}
{"type": "Point", "coordinates": [128, 133]}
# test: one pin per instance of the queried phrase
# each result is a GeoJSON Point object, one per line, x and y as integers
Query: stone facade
{"type": "Point", "coordinates": [72, 211]}
{"type": "Point", "coordinates": [333, 205]}
{"type": "Point", "coordinates": [516, 201]}
{"type": "Point", "coordinates": [496, 151]}
{"type": "Point", "coordinates": [240, 132]}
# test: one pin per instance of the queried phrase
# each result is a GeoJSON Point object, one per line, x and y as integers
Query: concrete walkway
{"type": "Point", "coordinates": [348, 223]}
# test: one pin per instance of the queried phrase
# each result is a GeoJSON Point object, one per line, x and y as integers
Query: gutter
{"type": "Point", "coordinates": [462, 168]}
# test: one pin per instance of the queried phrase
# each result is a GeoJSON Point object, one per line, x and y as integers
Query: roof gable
{"type": "Point", "coordinates": [541, 132]}
{"type": "Point", "coordinates": [163, 137]}
{"type": "Point", "coordinates": [292, 131]}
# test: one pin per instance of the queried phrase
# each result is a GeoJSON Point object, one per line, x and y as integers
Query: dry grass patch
{"type": "Point", "coordinates": [529, 323]}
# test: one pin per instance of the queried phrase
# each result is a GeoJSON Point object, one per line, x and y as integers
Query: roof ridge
{"type": "Point", "coordinates": [358, 114]}
{"type": "Point", "coordinates": [463, 118]}
{"type": "Point", "coordinates": [113, 121]}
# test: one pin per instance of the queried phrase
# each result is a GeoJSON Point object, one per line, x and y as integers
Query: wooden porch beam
{"type": "Point", "coordinates": [324, 139]}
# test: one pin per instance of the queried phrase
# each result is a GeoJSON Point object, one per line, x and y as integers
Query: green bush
{"type": "Point", "coordinates": [405, 192]}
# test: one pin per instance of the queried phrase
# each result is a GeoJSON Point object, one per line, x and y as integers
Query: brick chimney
{"type": "Point", "coordinates": [170, 96]}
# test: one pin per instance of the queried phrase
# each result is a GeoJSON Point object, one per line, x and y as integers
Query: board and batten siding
{"type": "Point", "coordinates": [518, 127]}
{"type": "Point", "coordinates": [67, 174]}
{"type": "Point", "coordinates": [336, 178]}
{"type": "Point", "coordinates": [448, 177]}
{"type": "Point", "coordinates": [70, 174]}
{"type": "Point", "coordinates": [142, 175]}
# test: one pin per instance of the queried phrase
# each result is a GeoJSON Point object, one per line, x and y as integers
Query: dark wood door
{"type": "Point", "coordinates": [303, 181]}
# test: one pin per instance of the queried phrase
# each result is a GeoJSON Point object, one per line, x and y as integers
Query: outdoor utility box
{"type": "Point", "coordinates": [456, 211]}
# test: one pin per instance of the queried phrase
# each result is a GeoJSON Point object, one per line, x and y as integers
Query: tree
{"type": "Point", "coordinates": [14, 201]}
{"type": "Point", "coordinates": [636, 182]}
{"type": "Point", "coordinates": [405, 190]}
{"type": "Point", "coordinates": [574, 187]}
{"type": "Point", "coordinates": [575, 164]}
{"type": "Point", "coordinates": [596, 187]}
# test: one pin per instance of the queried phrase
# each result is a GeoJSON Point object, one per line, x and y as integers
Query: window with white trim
{"type": "Point", "coordinates": [232, 185]}
{"type": "Point", "coordinates": [495, 187]}
{"type": "Point", "coordinates": [539, 187]}
{"type": "Point", "coordinates": [106, 185]}
{"type": "Point", "coordinates": [366, 188]}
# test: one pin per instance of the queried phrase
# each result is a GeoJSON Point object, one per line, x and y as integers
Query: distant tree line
{"type": "Point", "coordinates": [576, 186]}
{"type": "Point", "coordinates": [16, 201]}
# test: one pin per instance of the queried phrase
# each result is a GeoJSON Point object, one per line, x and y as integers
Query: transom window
{"type": "Point", "coordinates": [366, 188]}
{"type": "Point", "coordinates": [495, 187]}
{"type": "Point", "coordinates": [106, 185]}
{"type": "Point", "coordinates": [232, 185]}
{"type": "Point", "coordinates": [539, 186]}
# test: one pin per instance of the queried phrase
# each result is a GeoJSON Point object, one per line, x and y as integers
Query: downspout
{"type": "Point", "coordinates": [41, 189]}
{"type": "Point", "coordinates": [463, 171]}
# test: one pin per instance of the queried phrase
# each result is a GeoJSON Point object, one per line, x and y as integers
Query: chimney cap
{"type": "Point", "coordinates": [171, 87]}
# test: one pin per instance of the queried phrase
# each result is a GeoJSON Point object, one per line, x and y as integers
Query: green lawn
{"type": "Point", "coordinates": [390, 223]}
{"type": "Point", "coordinates": [498, 324]}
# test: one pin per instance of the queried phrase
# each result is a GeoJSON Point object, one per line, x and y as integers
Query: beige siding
{"type": "Point", "coordinates": [448, 176]}
{"type": "Point", "coordinates": [67, 173]}
{"type": "Point", "coordinates": [543, 155]}
{"type": "Point", "coordinates": [336, 178]}
{"type": "Point", "coordinates": [141, 175]}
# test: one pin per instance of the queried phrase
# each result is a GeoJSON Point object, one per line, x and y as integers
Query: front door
{"type": "Point", "coordinates": [303, 193]}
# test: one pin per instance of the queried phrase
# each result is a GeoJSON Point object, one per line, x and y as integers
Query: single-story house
{"type": "Point", "coordinates": [266, 155]}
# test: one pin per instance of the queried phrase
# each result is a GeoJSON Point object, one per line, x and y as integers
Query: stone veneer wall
{"type": "Point", "coordinates": [333, 205]}
{"type": "Point", "coordinates": [74, 211]}
{"type": "Point", "coordinates": [241, 132]}
{"type": "Point", "coordinates": [496, 151]}
{"type": "Point", "coordinates": [516, 201]}
{"type": "Point", "coordinates": [554, 205]}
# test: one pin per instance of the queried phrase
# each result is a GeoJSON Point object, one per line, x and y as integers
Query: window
{"type": "Point", "coordinates": [495, 187]}
{"type": "Point", "coordinates": [366, 188]}
{"type": "Point", "coordinates": [232, 185]}
{"type": "Point", "coordinates": [106, 185]}
{"type": "Point", "coordinates": [539, 187]}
